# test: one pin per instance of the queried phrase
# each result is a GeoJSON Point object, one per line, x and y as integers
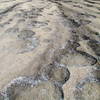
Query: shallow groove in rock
{"type": "Point", "coordinates": [9, 9]}
{"type": "Point", "coordinates": [94, 60]}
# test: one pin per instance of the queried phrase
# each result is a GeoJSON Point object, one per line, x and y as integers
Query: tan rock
{"type": "Point", "coordinates": [60, 75]}
{"type": "Point", "coordinates": [56, 73]}
{"type": "Point", "coordinates": [31, 34]}
{"type": "Point", "coordinates": [42, 91]}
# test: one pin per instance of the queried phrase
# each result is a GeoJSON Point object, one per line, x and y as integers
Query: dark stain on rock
{"type": "Point", "coordinates": [12, 30]}
{"type": "Point", "coordinates": [56, 73]}
{"type": "Point", "coordinates": [38, 24]}
{"type": "Point", "coordinates": [25, 34]}
{"type": "Point", "coordinates": [77, 6]}
{"type": "Point", "coordinates": [85, 37]}
{"type": "Point", "coordinates": [95, 45]}
{"type": "Point", "coordinates": [88, 5]}
{"type": "Point", "coordinates": [9, 9]}
{"type": "Point", "coordinates": [74, 23]}
{"type": "Point", "coordinates": [88, 56]}
{"type": "Point", "coordinates": [91, 2]}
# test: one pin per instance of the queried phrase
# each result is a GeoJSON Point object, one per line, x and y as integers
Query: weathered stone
{"type": "Point", "coordinates": [60, 75]}
{"type": "Point", "coordinates": [39, 39]}
{"type": "Point", "coordinates": [41, 91]}
{"type": "Point", "coordinates": [24, 34]}
{"type": "Point", "coordinates": [89, 91]}
{"type": "Point", "coordinates": [56, 74]}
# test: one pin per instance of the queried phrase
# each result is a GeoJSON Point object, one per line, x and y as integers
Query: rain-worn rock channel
{"type": "Point", "coordinates": [49, 50]}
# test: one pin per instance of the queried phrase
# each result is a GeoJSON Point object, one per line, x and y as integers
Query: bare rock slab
{"type": "Point", "coordinates": [42, 90]}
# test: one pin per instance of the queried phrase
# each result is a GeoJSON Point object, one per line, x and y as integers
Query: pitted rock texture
{"type": "Point", "coordinates": [49, 50]}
